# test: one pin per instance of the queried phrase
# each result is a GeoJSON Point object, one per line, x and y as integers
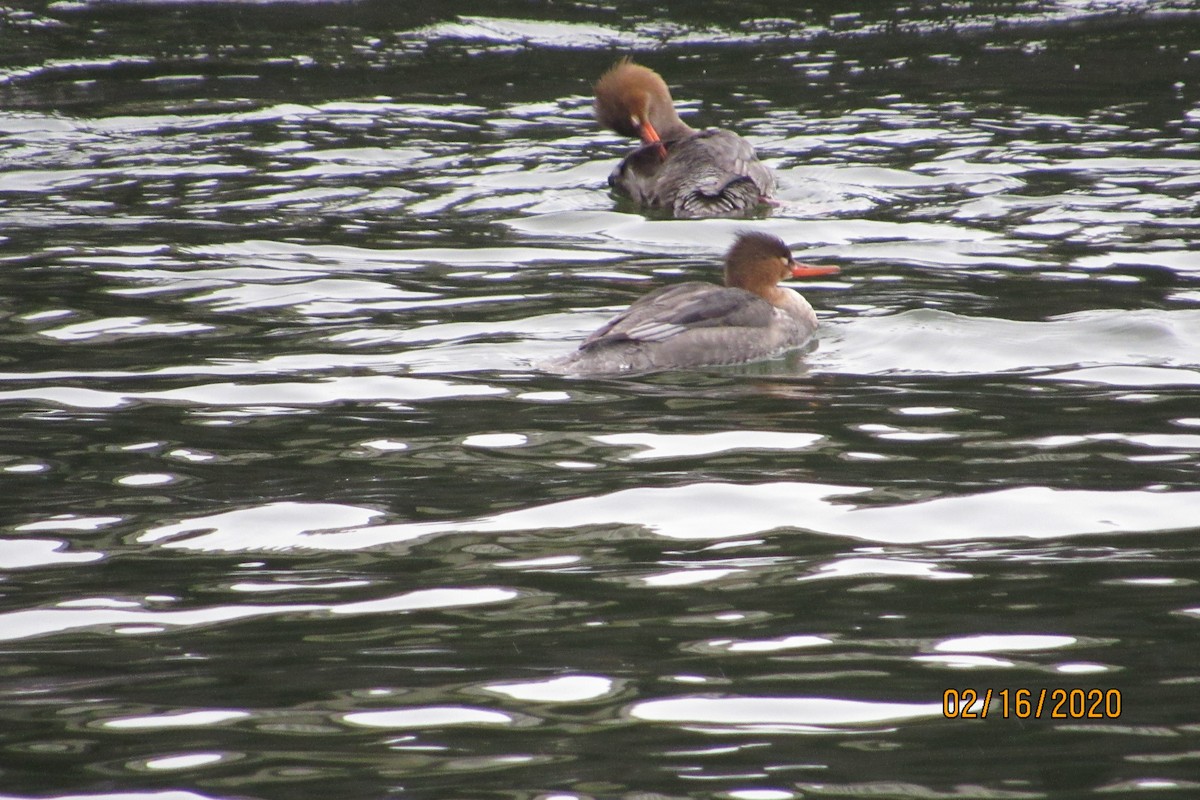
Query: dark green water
{"type": "Point", "coordinates": [289, 512]}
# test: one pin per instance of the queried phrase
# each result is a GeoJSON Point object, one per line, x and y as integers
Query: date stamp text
{"type": "Point", "coordinates": [1031, 703]}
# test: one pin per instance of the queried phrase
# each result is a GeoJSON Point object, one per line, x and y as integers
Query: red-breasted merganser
{"type": "Point", "coordinates": [708, 173]}
{"type": "Point", "coordinates": [698, 324]}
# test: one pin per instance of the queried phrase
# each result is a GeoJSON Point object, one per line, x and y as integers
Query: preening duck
{"type": "Point", "coordinates": [706, 173]}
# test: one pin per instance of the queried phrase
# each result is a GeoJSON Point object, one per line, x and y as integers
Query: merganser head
{"type": "Point", "coordinates": [634, 101]}
{"type": "Point", "coordinates": [758, 261]}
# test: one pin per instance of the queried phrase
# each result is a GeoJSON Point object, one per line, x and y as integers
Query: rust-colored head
{"type": "Point", "coordinates": [634, 101]}
{"type": "Point", "coordinates": [758, 261]}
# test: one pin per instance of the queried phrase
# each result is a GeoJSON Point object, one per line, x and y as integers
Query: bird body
{"type": "Point", "coordinates": [692, 173]}
{"type": "Point", "coordinates": [696, 324]}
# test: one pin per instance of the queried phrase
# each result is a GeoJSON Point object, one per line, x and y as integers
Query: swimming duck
{"type": "Point", "coordinates": [696, 324]}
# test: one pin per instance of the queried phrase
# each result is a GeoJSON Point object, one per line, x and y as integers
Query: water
{"type": "Point", "coordinates": [289, 511]}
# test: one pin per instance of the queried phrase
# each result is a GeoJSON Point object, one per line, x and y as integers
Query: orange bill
{"type": "Point", "coordinates": [812, 270]}
{"type": "Point", "coordinates": [650, 136]}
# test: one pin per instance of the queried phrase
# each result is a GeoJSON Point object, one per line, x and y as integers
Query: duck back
{"type": "Point", "coordinates": [711, 173]}
{"type": "Point", "coordinates": [690, 325]}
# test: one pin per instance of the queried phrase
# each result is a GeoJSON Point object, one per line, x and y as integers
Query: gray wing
{"type": "Point", "coordinates": [671, 310]}
{"type": "Point", "coordinates": [713, 173]}
{"type": "Point", "coordinates": [716, 173]}
{"type": "Point", "coordinates": [730, 156]}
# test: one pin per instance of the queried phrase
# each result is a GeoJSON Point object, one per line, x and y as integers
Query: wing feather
{"type": "Point", "coordinates": [711, 173]}
{"type": "Point", "coordinates": [672, 310]}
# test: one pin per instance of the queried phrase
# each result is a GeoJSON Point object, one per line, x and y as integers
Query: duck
{"type": "Point", "coordinates": [692, 173]}
{"type": "Point", "coordinates": [696, 324]}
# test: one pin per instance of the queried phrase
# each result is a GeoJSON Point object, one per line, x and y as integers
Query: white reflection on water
{"type": "Point", "coordinates": [666, 445]}
{"type": "Point", "coordinates": [39, 622]}
{"type": "Point", "coordinates": [429, 717]}
{"type": "Point", "coordinates": [1157, 441]}
{"type": "Point", "coordinates": [1081, 668]}
{"type": "Point", "coordinates": [715, 511]}
{"type": "Point", "coordinates": [289, 586]}
{"type": "Point", "coordinates": [714, 235]}
{"type": "Point", "coordinates": [931, 341]}
{"type": "Point", "coordinates": [531, 32]}
{"type": "Point", "coordinates": [275, 526]}
{"type": "Point", "coordinates": [345, 257]}
{"type": "Point", "coordinates": [859, 567]}
{"type": "Point", "coordinates": [1004, 643]}
{"type": "Point", "coordinates": [123, 327]}
{"type": "Point", "coordinates": [761, 794]}
{"type": "Point", "coordinates": [780, 644]}
{"type": "Point", "coordinates": [688, 577]}
{"type": "Point", "coordinates": [187, 761]}
{"type": "Point", "coordinates": [293, 393]}
{"type": "Point", "coordinates": [171, 794]}
{"type": "Point", "coordinates": [779, 714]}
{"type": "Point", "coordinates": [427, 599]}
{"type": "Point", "coordinates": [957, 661]}
{"type": "Point", "coordinates": [27, 468]}
{"type": "Point", "coordinates": [145, 479]}
{"type": "Point", "coordinates": [185, 719]}
{"type": "Point", "coordinates": [21, 553]}
{"type": "Point", "coordinates": [42, 621]}
{"type": "Point", "coordinates": [565, 689]}
{"type": "Point", "coordinates": [1129, 376]}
